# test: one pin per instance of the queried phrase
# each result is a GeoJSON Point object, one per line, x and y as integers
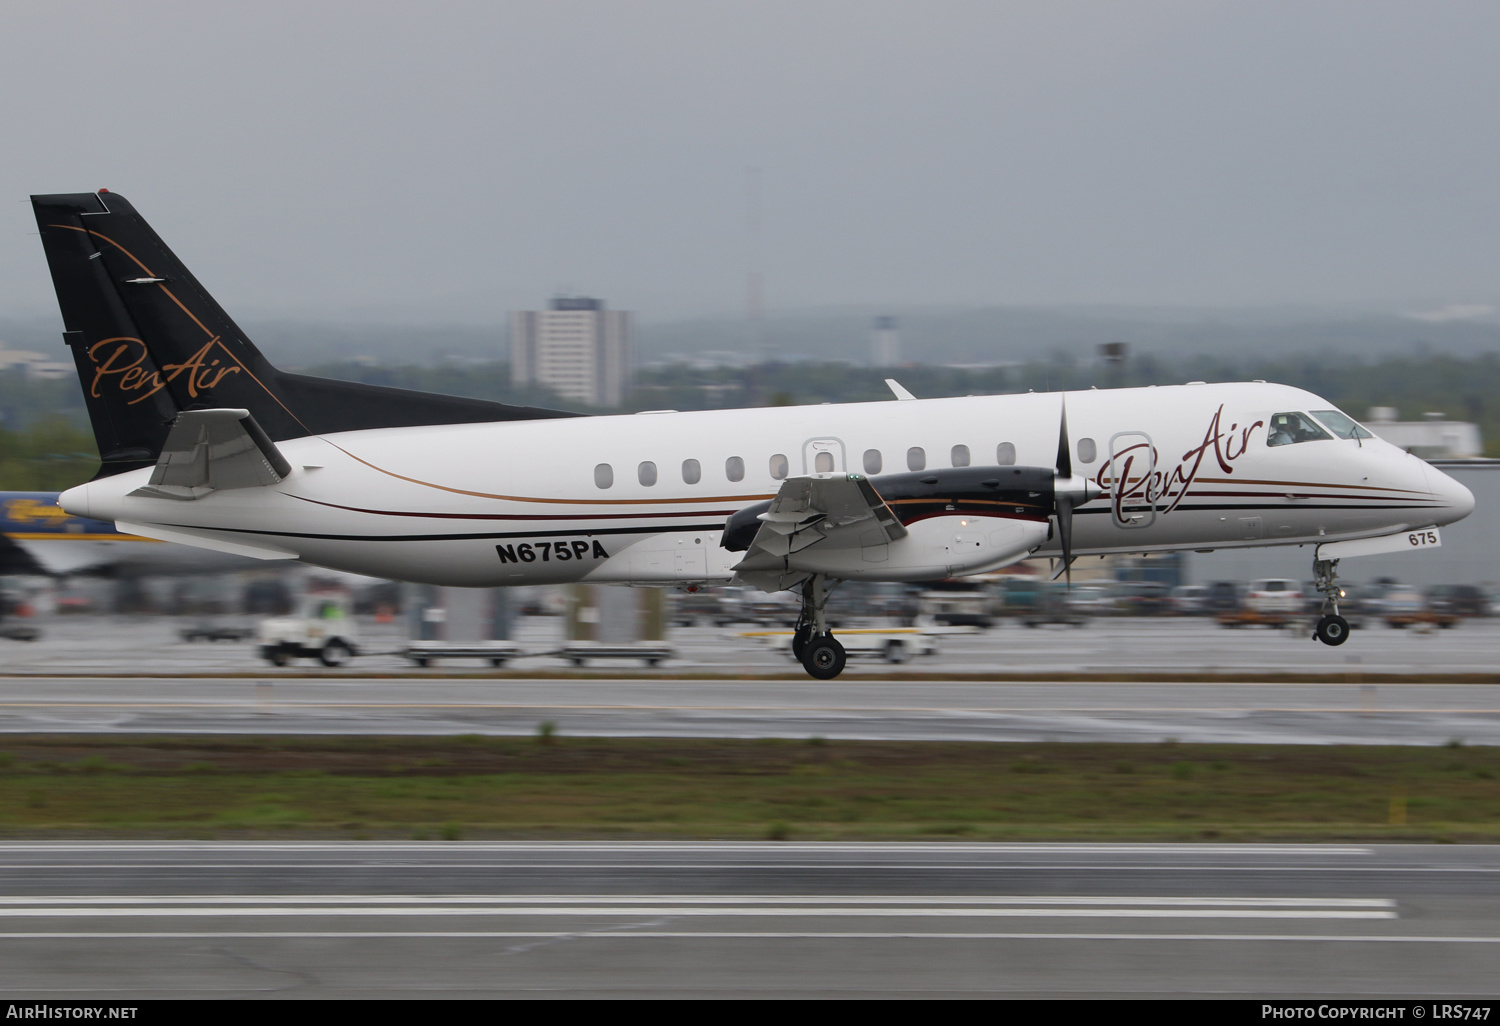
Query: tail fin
{"type": "Point", "coordinates": [150, 342]}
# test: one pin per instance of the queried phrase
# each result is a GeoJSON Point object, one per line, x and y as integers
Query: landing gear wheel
{"type": "Point", "coordinates": [278, 657]}
{"type": "Point", "coordinates": [824, 657]}
{"type": "Point", "coordinates": [1332, 630]}
{"type": "Point", "coordinates": [800, 637]}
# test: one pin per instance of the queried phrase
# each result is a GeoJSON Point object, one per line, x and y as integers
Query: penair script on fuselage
{"type": "Point", "coordinates": [1152, 485]}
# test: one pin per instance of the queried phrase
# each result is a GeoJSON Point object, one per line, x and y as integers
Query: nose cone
{"type": "Point", "coordinates": [1457, 501]}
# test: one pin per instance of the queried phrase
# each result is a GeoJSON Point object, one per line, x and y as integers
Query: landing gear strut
{"type": "Point", "coordinates": [812, 643]}
{"type": "Point", "coordinates": [1332, 629]}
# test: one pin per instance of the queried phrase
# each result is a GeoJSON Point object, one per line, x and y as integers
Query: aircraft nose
{"type": "Point", "coordinates": [1457, 500]}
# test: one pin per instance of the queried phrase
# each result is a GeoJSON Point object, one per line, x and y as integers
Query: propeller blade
{"type": "Point", "coordinates": [1064, 503]}
{"type": "Point", "coordinates": [1065, 534]}
{"type": "Point", "coordinates": [1064, 457]}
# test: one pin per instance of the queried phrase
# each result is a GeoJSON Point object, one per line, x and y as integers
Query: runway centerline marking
{"type": "Point", "coordinates": [700, 906]}
{"type": "Point", "coordinates": [891, 848]}
{"type": "Point", "coordinates": [506, 900]}
{"type": "Point", "coordinates": [616, 934]}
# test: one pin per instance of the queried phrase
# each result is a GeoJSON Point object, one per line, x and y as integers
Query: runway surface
{"type": "Point", "coordinates": [869, 709]}
{"type": "Point", "coordinates": [139, 920]}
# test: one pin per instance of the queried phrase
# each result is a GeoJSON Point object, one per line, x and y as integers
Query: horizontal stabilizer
{"type": "Point", "coordinates": [214, 450]}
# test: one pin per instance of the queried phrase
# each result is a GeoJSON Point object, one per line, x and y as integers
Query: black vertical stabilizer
{"type": "Point", "coordinates": [150, 342]}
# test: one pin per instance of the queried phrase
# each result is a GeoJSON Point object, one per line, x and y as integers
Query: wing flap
{"type": "Point", "coordinates": [832, 510]}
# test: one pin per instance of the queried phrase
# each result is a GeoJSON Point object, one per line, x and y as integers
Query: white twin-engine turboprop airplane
{"type": "Point", "coordinates": [205, 443]}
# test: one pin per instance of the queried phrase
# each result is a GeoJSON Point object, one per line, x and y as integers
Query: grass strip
{"type": "Point", "coordinates": [193, 786]}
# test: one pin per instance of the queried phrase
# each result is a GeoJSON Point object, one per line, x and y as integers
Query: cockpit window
{"type": "Point", "coordinates": [1340, 424]}
{"type": "Point", "coordinates": [1290, 428]}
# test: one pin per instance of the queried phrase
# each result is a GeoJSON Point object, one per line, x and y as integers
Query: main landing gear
{"type": "Point", "coordinates": [813, 644]}
{"type": "Point", "coordinates": [1332, 629]}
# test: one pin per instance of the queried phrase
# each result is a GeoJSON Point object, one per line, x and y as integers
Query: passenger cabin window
{"type": "Point", "coordinates": [960, 456]}
{"type": "Point", "coordinates": [1291, 428]}
{"type": "Point", "coordinates": [916, 458]}
{"type": "Point", "coordinates": [604, 475]}
{"type": "Point", "coordinates": [692, 473]}
{"type": "Point", "coordinates": [823, 463]}
{"type": "Point", "coordinates": [646, 473]}
{"type": "Point", "coordinates": [1005, 454]}
{"type": "Point", "coordinates": [873, 462]}
{"type": "Point", "coordinates": [734, 468]}
{"type": "Point", "coordinates": [779, 467]}
{"type": "Point", "coordinates": [1341, 424]}
{"type": "Point", "coordinates": [1087, 450]}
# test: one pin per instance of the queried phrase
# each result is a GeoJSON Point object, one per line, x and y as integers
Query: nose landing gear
{"type": "Point", "coordinates": [1332, 629]}
{"type": "Point", "coordinates": [812, 643]}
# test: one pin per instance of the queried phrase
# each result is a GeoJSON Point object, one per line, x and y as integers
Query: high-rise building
{"type": "Point", "coordinates": [885, 343]}
{"type": "Point", "coordinates": [576, 347]}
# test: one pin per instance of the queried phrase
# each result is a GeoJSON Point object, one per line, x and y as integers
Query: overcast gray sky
{"type": "Point", "coordinates": [452, 161]}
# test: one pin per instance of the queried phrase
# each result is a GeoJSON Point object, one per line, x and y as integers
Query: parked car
{"type": "Point", "coordinates": [1021, 595]}
{"type": "Point", "coordinates": [1224, 596]}
{"type": "Point", "coordinates": [1458, 599]}
{"type": "Point", "coordinates": [1189, 600]}
{"type": "Point", "coordinates": [1274, 595]}
{"type": "Point", "coordinates": [1051, 607]}
{"type": "Point", "coordinates": [1375, 593]}
{"type": "Point", "coordinates": [1096, 599]}
{"type": "Point", "coordinates": [1270, 601]}
{"type": "Point", "coordinates": [1143, 598]}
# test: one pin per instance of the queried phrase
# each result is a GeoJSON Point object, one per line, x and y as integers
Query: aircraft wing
{"type": "Point", "coordinates": [833, 510]}
{"type": "Point", "coordinates": [214, 450]}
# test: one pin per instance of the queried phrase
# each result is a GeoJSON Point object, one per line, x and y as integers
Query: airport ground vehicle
{"type": "Point", "coordinates": [1405, 606]}
{"type": "Point", "coordinates": [717, 606]}
{"type": "Point", "coordinates": [958, 604]}
{"type": "Point", "coordinates": [321, 628]}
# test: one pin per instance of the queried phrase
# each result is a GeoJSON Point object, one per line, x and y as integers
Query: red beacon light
{"type": "Point", "coordinates": [102, 191]}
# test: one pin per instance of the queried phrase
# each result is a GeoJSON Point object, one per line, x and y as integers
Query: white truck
{"type": "Point", "coordinates": [322, 628]}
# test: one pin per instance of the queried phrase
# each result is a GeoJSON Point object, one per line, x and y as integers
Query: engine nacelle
{"type": "Point", "coordinates": [937, 547]}
{"type": "Point", "coordinates": [901, 527]}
